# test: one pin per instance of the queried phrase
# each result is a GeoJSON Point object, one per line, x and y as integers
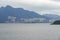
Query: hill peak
{"type": "Point", "coordinates": [8, 6]}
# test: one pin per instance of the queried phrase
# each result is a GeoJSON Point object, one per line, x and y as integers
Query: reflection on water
{"type": "Point", "coordinates": [29, 32]}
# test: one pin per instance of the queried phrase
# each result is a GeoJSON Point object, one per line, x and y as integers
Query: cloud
{"type": "Point", "coordinates": [39, 6]}
{"type": "Point", "coordinates": [56, 0]}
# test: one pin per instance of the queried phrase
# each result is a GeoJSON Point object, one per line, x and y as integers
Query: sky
{"type": "Point", "coordinates": [38, 6]}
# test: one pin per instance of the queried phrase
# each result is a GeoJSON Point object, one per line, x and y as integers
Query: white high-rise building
{"type": "Point", "coordinates": [11, 19]}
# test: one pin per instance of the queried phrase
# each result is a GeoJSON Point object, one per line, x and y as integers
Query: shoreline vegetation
{"type": "Point", "coordinates": [24, 22]}
{"type": "Point", "coordinates": [56, 22]}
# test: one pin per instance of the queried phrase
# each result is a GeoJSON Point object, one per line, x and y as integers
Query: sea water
{"type": "Point", "coordinates": [29, 31]}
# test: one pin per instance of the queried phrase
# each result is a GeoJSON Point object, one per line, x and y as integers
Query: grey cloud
{"type": "Point", "coordinates": [36, 8]}
{"type": "Point", "coordinates": [44, 7]}
{"type": "Point", "coordinates": [32, 7]}
{"type": "Point", "coordinates": [56, 0]}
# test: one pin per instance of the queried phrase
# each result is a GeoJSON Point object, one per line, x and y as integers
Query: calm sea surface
{"type": "Point", "coordinates": [20, 31]}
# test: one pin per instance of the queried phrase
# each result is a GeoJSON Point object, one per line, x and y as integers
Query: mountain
{"type": "Point", "coordinates": [17, 12]}
{"type": "Point", "coordinates": [52, 16]}
{"type": "Point", "coordinates": [22, 13]}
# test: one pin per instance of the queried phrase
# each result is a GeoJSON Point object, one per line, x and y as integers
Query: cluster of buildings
{"type": "Point", "coordinates": [12, 19]}
{"type": "Point", "coordinates": [33, 20]}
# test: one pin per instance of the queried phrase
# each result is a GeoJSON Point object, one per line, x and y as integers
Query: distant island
{"type": "Point", "coordinates": [56, 22]}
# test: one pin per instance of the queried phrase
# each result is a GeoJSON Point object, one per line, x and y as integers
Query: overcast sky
{"type": "Point", "coordinates": [39, 6]}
